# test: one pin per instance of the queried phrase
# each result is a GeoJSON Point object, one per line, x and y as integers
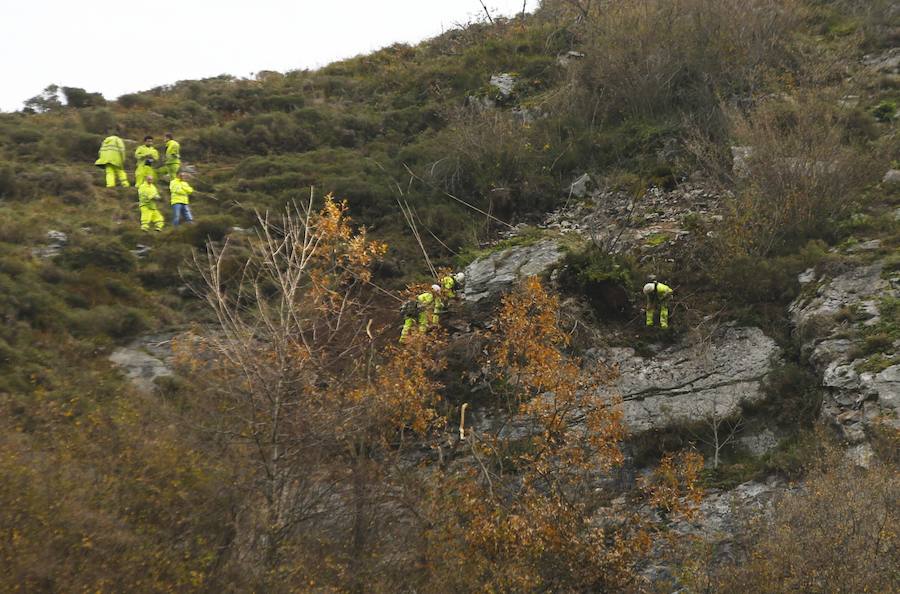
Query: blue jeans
{"type": "Point", "coordinates": [180, 211]}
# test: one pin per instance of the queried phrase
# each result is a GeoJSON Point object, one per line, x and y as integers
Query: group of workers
{"type": "Point", "coordinates": [425, 310]}
{"type": "Point", "coordinates": [112, 159]}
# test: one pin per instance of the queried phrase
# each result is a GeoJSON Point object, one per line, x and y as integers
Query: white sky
{"type": "Point", "coordinates": [123, 47]}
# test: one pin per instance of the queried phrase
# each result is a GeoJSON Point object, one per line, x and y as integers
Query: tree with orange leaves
{"type": "Point", "coordinates": [519, 515]}
{"type": "Point", "coordinates": [301, 392]}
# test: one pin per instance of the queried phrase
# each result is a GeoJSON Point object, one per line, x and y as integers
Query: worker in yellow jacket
{"type": "Point", "coordinates": [112, 158]}
{"type": "Point", "coordinates": [658, 295]}
{"type": "Point", "coordinates": [146, 156]}
{"type": "Point", "coordinates": [450, 284]}
{"type": "Point", "coordinates": [148, 194]}
{"type": "Point", "coordinates": [181, 202]}
{"type": "Point", "coordinates": [423, 309]}
{"type": "Point", "coordinates": [173, 156]}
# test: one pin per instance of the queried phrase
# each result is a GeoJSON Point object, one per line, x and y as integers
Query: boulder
{"type": "Point", "coordinates": [145, 359]}
{"type": "Point", "coordinates": [690, 381]}
{"type": "Point", "coordinates": [504, 84]}
{"type": "Point", "coordinates": [56, 242]}
{"type": "Point", "coordinates": [884, 63]}
{"type": "Point", "coordinates": [492, 275]}
{"type": "Point", "coordinates": [892, 177]}
{"type": "Point", "coordinates": [582, 186]}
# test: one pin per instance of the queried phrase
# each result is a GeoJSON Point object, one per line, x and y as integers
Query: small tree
{"type": "Point", "coordinates": [523, 511]}
{"type": "Point", "coordinates": [76, 97]}
{"type": "Point", "coordinates": [299, 390]}
{"type": "Point", "coordinates": [719, 429]}
{"type": "Point", "coordinates": [48, 100]}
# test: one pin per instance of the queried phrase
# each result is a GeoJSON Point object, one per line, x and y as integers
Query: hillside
{"type": "Point", "coordinates": [224, 406]}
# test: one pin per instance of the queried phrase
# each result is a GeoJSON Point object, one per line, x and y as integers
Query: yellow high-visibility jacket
{"type": "Point", "coordinates": [173, 152]}
{"type": "Point", "coordinates": [148, 194]}
{"type": "Point", "coordinates": [181, 190]}
{"type": "Point", "coordinates": [112, 152]}
{"type": "Point", "coordinates": [663, 291]}
{"type": "Point", "coordinates": [448, 284]}
{"type": "Point", "coordinates": [144, 152]}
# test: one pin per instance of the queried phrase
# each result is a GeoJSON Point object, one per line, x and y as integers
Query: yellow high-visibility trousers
{"type": "Point", "coordinates": [113, 174]}
{"type": "Point", "coordinates": [663, 314]}
{"type": "Point", "coordinates": [151, 218]}
{"type": "Point", "coordinates": [141, 172]}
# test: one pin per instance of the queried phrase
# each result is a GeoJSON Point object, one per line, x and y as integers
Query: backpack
{"type": "Point", "coordinates": [409, 309]}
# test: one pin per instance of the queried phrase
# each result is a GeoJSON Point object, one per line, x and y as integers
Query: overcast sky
{"type": "Point", "coordinates": [122, 47]}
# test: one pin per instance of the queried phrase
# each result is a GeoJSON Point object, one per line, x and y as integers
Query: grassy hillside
{"type": "Point", "coordinates": [103, 488]}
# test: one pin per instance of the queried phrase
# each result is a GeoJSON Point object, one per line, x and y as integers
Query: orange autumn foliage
{"type": "Point", "coordinates": [519, 516]}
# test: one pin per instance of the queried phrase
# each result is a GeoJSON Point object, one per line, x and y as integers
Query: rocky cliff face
{"type": "Point", "coordinates": [692, 381]}
{"type": "Point", "coordinates": [490, 276]}
{"type": "Point", "coordinates": [833, 319]}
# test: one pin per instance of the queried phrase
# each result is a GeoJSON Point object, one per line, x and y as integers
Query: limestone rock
{"type": "Point", "coordinates": [688, 382]}
{"type": "Point", "coordinates": [498, 272]}
{"type": "Point", "coordinates": [145, 359]}
{"type": "Point", "coordinates": [885, 63]}
{"type": "Point", "coordinates": [759, 443]}
{"type": "Point", "coordinates": [740, 163]}
{"type": "Point", "coordinates": [56, 242]}
{"type": "Point", "coordinates": [892, 177]}
{"type": "Point", "coordinates": [504, 84]}
{"type": "Point", "coordinates": [582, 186]}
{"type": "Point", "coordinates": [854, 401]}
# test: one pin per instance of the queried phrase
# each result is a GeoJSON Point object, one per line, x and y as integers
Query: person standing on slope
{"type": "Point", "coordinates": [173, 156]}
{"type": "Point", "coordinates": [181, 202]}
{"type": "Point", "coordinates": [145, 155]}
{"type": "Point", "coordinates": [112, 158]}
{"type": "Point", "coordinates": [148, 194]}
{"type": "Point", "coordinates": [658, 295]}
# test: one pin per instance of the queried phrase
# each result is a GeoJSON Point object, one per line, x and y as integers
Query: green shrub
{"type": "Point", "coordinates": [132, 100]}
{"type": "Point", "coordinates": [885, 111]}
{"type": "Point", "coordinates": [8, 188]}
{"type": "Point", "coordinates": [859, 126]}
{"type": "Point", "coordinates": [97, 121]}
{"type": "Point", "coordinates": [79, 147]}
{"type": "Point", "coordinates": [106, 253]}
{"type": "Point", "coordinates": [24, 298]}
{"type": "Point", "coordinates": [606, 280]}
{"type": "Point", "coordinates": [793, 395]}
{"type": "Point", "coordinates": [286, 103]}
{"type": "Point", "coordinates": [25, 136]}
{"type": "Point", "coordinates": [78, 98]}
{"type": "Point", "coordinates": [213, 228]}
{"type": "Point", "coordinates": [218, 140]}
{"type": "Point", "coordinates": [114, 321]}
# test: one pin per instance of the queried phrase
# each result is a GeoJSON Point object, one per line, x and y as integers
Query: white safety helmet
{"type": "Point", "coordinates": [649, 288]}
{"type": "Point", "coordinates": [435, 288]}
{"type": "Point", "coordinates": [459, 277]}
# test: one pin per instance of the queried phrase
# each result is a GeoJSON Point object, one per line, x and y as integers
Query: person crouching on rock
{"type": "Point", "coordinates": [424, 310]}
{"type": "Point", "coordinates": [658, 295]}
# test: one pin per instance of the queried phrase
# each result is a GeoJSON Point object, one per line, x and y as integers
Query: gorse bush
{"type": "Point", "coordinates": [801, 176]}
{"type": "Point", "coordinates": [105, 253]}
{"type": "Point", "coordinates": [644, 57]}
